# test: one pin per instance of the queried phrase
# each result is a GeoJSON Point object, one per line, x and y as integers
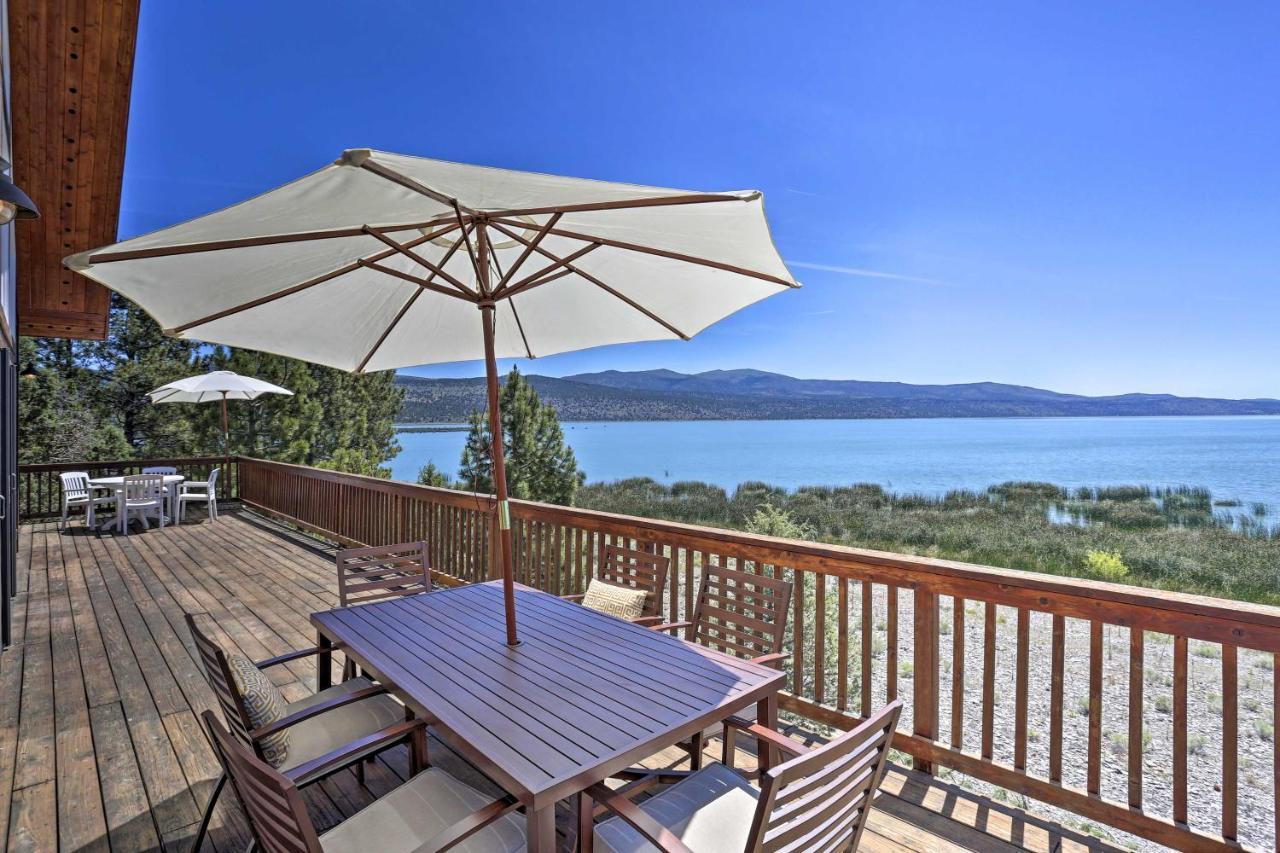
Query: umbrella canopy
{"type": "Point", "coordinates": [219, 385]}
{"type": "Point", "coordinates": [379, 261]}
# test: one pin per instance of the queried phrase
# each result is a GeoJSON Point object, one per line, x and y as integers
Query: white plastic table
{"type": "Point", "coordinates": [116, 484]}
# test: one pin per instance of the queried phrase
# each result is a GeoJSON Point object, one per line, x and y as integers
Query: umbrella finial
{"type": "Point", "coordinates": [355, 156]}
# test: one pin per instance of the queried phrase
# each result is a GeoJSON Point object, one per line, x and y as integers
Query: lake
{"type": "Point", "coordinates": [1235, 457]}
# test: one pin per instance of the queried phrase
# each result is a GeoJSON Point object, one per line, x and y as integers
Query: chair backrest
{"type": "Point", "coordinates": [740, 613]}
{"type": "Point", "coordinates": [277, 814]}
{"type": "Point", "coordinates": [633, 569]}
{"type": "Point", "coordinates": [820, 801]}
{"type": "Point", "coordinates": [213, 477]}
{"type": "Point", "coordinates": [75, 484]}
{"type": "Point", "coordinates": [387, 571]}
{"type": "Point", "coordinates": [218, 673]}
{"type": "Point", "coordinates": [143, 487]}
{"type": "Point", "coordinates": [159, 469]}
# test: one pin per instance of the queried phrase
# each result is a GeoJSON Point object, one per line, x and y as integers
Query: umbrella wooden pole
{"type": "Point", "coordinates": [226, 432]}
{"type": "Point", "coordinates": [499, 475]}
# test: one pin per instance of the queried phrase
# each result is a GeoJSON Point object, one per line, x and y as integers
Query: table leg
{"type": "Point", "coordinates": [541, 829]}
{"type": "Point", "coordinates": [586, 823]}
{"type": "Point", "coordinates": [767, 716]}
{"type": "Point", "coordinates": [324, 662]}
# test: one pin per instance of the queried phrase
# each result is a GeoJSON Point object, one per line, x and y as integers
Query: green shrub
{"type": "Point", "coordinates": [1107, 565]}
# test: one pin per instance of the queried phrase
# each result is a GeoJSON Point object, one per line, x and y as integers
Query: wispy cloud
{"type": "Point", "coordinates": [862, 272]}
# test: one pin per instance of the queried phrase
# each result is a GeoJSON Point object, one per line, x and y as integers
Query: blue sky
{"type": "Point", "coordinates": [1083, 196]}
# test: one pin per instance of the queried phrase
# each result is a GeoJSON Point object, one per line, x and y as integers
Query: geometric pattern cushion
{"type": "Point", "coordinates": [614, 600]}
{"type": "Point", "coordinates": [265, 705]}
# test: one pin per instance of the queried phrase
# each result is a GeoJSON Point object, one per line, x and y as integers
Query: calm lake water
{"type": "Point", "coordinates": [1235, 457]}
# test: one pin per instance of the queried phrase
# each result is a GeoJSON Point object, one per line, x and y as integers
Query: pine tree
{"type": "Point", "coordinates": [540, 465]}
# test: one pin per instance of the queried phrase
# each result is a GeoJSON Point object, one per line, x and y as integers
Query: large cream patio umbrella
{"type": "Point", "coordinates": [379, 261]}
{"type": "Point", "coordinates": [221, 385]}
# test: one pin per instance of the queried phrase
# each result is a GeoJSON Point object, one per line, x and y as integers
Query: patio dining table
{"type": "Point", "coordinates": [116, 485]}
{"type": "Point", "coordinates": [584, 695]}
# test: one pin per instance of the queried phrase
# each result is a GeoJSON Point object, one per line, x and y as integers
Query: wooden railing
{"type": "Point", "coordinates": [40, 489]}
{"type": "Point", "coordinates": [1107, 680]}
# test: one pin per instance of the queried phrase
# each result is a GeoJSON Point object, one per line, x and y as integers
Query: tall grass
{"type": "Point", "coordinates": [1165, 538]}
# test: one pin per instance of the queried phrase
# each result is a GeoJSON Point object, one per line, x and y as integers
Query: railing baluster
{"type": "Point", "coordinates": [957, 672]}
{"type": "Point", "coordinates": [891, 649]}
{"type": "Point", "coordinates": [1230, 739]}
{"type": "Point", "coordinates": [1056, 681]}
{"type": "Point", "coordinates": [924, 711]}
{"type": "Point", "coordinates": [988, 679]}
{"type": "Point", "coordinates": [1136, 671]}
{"type": "Point", "coordinates": [1275, 745]}
{"type": "Point", "coordinates": [820, 638]}
{"type": "Point", "coordinates": [868, 646]}
{"type": "Point", "coordinates": [797, 632]}
{"type": "Point", "coordinates": [1094, 783]}
{"type": "Point", "coordinates": [1020, 690]}
{"type": "Point", "coordinates": [842, 643]}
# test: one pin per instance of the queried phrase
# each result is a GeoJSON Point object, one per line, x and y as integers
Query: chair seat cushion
{"type": "Point", "coordinates": [339, 727]}
{"type": "Point", "coordinates": [264, 704]}
{"type": "Point", "coordinates": [710, 811]}
{"type": "Point", "coordinates": [614, 600]}
{"type": "Point", "coordinates": [416, 812]}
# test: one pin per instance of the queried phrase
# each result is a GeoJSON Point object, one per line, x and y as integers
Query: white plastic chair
{"type": "Point", "coordinates": [141, 495]}
{"type": "Point", "coordinates": [170, 491]}
{"type": "Point", "coordinates": [77, 492]}
{"type": "Point", "coordinates": [209, 495]}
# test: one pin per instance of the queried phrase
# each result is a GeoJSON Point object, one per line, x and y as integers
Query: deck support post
{"type": "Point", "coordinates": [925, 668]}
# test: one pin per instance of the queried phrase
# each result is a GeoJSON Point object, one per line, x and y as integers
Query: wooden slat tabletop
{"type": "Point", "coordinates": [583, 696]}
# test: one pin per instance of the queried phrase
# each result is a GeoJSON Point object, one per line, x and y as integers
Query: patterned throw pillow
{"type": "Point", "coordinates": [265, 705]}
{"type": "Point", "coordinates": [614, 600]}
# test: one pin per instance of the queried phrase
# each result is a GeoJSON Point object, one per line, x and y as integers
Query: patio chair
{"type": "Point", "coordinates": [817, 800]}
{"type": "Point", "coordinates": [629, 570]}
{"type": "Point", "coordinates": [200, 491]}
{"type": "Point", "coordinates": [170, 490]}
{"type": "Point", "coordinates": [142, 495]}
{"type": "Point", "coordinates": [374, 574]}
{"type": "Point", "coordinates": [432, 811]}
{"type": "Point", "coordinates": [76, 492]}
{"type": "Point", "coordinates": [738, 613]}
{"type": "Point", "coordinates": [311, 738]}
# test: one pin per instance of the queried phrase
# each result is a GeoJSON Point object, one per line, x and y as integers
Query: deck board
{"type": "Point", "coordinates": [100, 695]}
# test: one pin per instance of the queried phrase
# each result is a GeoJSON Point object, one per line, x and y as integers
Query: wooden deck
{"type": "Point", "coordinates": [100, 748]}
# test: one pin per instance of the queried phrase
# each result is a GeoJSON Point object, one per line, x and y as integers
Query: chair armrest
{"type": "Point", "coordinates": [669, 626]}
{"type": "Point", "coordinates": [459, 831]}
{"type": "Point", "coordinates": [183, 486]}
{"type": "Point", "coordinates": [315, 710]}
{"type": "Point", "coordinates": [756, 730]}
{"type": "Point", "coordinates": [770, 659]}
{"type": "Point", "coordinates": [344, 756]}
{"type": "Point", "coordinates": [574, 598]}
{"type": "Point", "coordinates": [638, 820]}
{"type": "Point", "coordinates": [647, 621]}
{"type": "Point", "coordinates": [291, 656]}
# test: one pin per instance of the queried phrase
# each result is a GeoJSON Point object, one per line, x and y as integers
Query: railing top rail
{"type": "Point", "coordinates": [453, 497]}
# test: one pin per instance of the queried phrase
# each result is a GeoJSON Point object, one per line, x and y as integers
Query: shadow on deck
{"type": "Point", "coordinates": [101, 748]}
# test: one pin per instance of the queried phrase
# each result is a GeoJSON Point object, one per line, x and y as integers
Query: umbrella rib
{"type": "Point", "coordinates": [664, 253]}
{"type": "Point", "coordinates": [657, 201]}
{"type": "Point", "coordinates": [311, 282]}
{"type": "Point", "coordinates": [415, 185]}
{"type": "Point", "coordinates": [520, 326]}
{"type": "Point", "coordinates": [537, 278]}
{"type": "Point", "coordinates": [598, 283]}
{"type": "Point", "coordinates": [423, 262]}
{"type": "Point", "coordinates": [404, 309]}
{"type": "Point", "coordinates": [528, 250]}
{"type": "Point", "coordinates": [423, 283]}
{"type": "Point", "coordinates": [246, 242]}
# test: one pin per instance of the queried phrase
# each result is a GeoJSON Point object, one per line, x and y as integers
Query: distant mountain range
{"type": "Point", "coordinates": [758, 395]}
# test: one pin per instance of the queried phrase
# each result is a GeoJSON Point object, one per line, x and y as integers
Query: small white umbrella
{"type": "Point", "coordinates": [220, 385]}
{"type": "Point", "coordinates": [379, 261]}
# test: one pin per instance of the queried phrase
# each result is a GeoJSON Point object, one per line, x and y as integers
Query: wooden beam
{"type": "Point", "coordinates": [413, 279]}
{"type": "Point", "coordinates": [423, 262]}
{"type": "Point", "coordinates": [536, 278]}
{"type": "Point", "coordinates": [413, 184]}
{"type": "Point", "coordinates": [528, 250]}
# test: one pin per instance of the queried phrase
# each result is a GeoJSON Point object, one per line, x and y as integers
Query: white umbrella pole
{"type": "Point", "coordinates": [226, 432]}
